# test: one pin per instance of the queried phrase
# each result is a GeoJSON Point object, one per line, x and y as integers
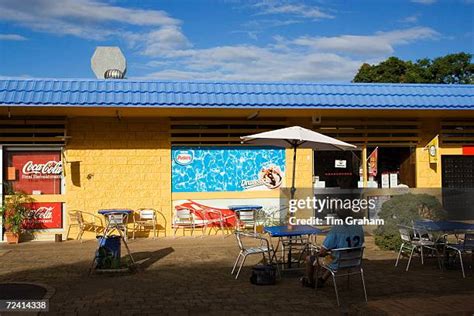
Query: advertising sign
{"type": "Point", "coordinates": [271, 208]}
{"type": "Point", "coordinates": [433, 150]}
{"type": "Point", "coordinates": [184, 157]}
{"type": "Point", "coordinates": [372, 161]}
{"type": "Point", "coordinates": [44, 215]}
{"type": "Point", "coordinates": [221, 169]}
{"type": "Point", "coordinates": [340, 164]}
{"type": "Point", "coordinates": [38, 171]}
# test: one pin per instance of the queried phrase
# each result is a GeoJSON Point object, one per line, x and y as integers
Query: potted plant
{"type": "Point", "coordinates": [15, 210]}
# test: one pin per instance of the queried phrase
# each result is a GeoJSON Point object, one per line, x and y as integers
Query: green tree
{"type": "Point", "coordinates": [454, 68]}
{"type": "Point", "coordinates": [449, 69]}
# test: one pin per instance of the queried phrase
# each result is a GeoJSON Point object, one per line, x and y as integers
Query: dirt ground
{"type": "Point", "coordinates": [192, 276]}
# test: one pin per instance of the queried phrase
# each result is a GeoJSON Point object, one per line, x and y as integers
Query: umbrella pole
{"type": "Point", "coordinates": [292, 192]}
{"type": "Point", "coordinates": [293, 188]}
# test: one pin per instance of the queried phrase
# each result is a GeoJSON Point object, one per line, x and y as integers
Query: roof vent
{"type": "Point", "coordinates": [113, 74]}
{"type": "Point", "coordinates": [108, 62]}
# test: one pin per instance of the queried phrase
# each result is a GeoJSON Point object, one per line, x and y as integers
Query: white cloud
{"type": "Point", "coordinates": [12, 37]}
{"type": "Point", "coordinates": [270, 7]}
{"type": "Point", "coordinates": [410, 19]}
{"type": "Point", "coordinates": [381, 43]}
{"type": "Point", "coordinates": [91, 19]}
{"type": "Point", "coordinates": [83, 18]}
{"type": "Point", "coordinates": [424, 1]}
{"type": "Point", "coordinates": [250, 63]}
{"type": "Point", "coordinates": [160, 42]}
{"type": "Point", "coordinates": [24, 76]}
{"type": "Point", "coordinates": [302, 59]}
{"type": "Point", "coordinates": [171, 55]}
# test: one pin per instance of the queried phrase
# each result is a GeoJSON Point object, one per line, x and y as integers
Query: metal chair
{"type": "Point", "coordinates": [413, 240]}
{"type": "Point", "coordinates": [246, 219]}
{"type": "Point", "coordinates": [462, 248]}
{"type": "Point", "coordinates": [264, 249]}
{"type": "Point", "coordinates": [276, 216]}
{"type": "Point", "coordinates": [349, 262]}
{"type": "Point", "coordinates": [184, 218]}
{"type": "Point", "coordinates": [146, 218]}
{"type": "Point", "coordinates": [76, 219]}
{"type": "Point", "coordinates": [117, 221]}
{"type": "Point", "coordinates": [427, 240]}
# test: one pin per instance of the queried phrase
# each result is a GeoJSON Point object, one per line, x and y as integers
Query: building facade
{"type": "Point", "coordinates": [94, 144]}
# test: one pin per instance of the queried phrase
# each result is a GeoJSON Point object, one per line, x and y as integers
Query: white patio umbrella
{"type": "Point", "coordinates": [296, 137]}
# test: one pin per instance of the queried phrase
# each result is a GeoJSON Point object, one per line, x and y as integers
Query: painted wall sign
{"type": "Point", "coordinates": [221, 169]}
{"type": "Point", "coordinates": [184, 157]}
{"type": "Point", "coordinates": [44, 216]}
{"type": "Point", "coordinates": [433, 150]}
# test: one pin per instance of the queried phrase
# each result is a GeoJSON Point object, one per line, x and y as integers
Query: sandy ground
{"type": "Point", "coordinates": [192, 276]}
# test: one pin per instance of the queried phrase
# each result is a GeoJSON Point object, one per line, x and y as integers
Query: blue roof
{"type": "Point", "coordinates": [198, 94]}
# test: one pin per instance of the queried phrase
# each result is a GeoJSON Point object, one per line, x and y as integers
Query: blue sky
{"type": "Point", "coordinates": [254, 40]}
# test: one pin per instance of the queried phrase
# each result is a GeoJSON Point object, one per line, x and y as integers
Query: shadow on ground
{"type": "Point", "coordinates": [145, 259]}
{"type": "Point", "coordinates": [197, 280]}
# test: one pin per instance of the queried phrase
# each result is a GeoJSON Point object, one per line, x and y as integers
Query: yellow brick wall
{"type": "Point", "coordinates": [123, 164]}
{"type": "Point", "coordinates": [127, 164]}
{"type": "Point", "coordinates": [429, 175]}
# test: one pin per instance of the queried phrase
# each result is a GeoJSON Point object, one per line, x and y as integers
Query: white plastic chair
{"type": "Point", "coordinates": [146, 218]}
{"type": "Point", "coordinates": [264, 249]}
{"type": "Point", "coordinates": [349, 262]}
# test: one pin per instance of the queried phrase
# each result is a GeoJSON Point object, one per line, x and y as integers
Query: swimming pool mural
{"type": "Point", "coordinates": [221, 169]}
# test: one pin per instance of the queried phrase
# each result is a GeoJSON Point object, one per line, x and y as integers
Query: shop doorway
{"type": "Point", "coordinates": [394, 160]}
{"type": "Point", "coordinates": [337, 169]}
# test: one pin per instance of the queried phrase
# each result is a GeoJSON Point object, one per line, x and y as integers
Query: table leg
{"type": "Point", "coordinates": [107, 229]}
{"type": "Point", "coordinates": [125, 244]}
{"type": "Point", "coordinates": [275, 251]}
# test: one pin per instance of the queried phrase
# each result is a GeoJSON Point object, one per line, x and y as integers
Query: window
{"type": "Point", "coordinates": [33, 172]}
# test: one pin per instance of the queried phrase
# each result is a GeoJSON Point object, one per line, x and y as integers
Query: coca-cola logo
{"type": "Point", "coordinates": [51, 167]}
{"type": "Point", "coordinates": [42, 213]}
{"type": "Point", "coordinates": [184, 158]}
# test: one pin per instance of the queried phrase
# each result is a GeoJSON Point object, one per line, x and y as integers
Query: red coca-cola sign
{"type": "Point", "coordinates": [35, 172]}
{"type": "Point", "coordinates": [44, 215]}
{"type": "Point", "coordinates": [49, 170]}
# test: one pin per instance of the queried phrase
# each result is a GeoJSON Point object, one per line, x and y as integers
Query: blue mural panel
{"type": "Point", "coordinates": [220, 169]}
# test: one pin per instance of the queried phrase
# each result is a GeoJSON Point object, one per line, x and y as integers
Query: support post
{"type": "Point", "coordinates": [364, 165]}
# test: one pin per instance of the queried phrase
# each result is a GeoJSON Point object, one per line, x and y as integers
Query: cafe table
{"type": "Point", "coordinates": [455, 228]}
{"type": "Point", "coordinates": [290, 236]}
{"type": "Point", "coordinates": [447, 227]}
{"type": "Point", "coordinates": [116, 219]}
